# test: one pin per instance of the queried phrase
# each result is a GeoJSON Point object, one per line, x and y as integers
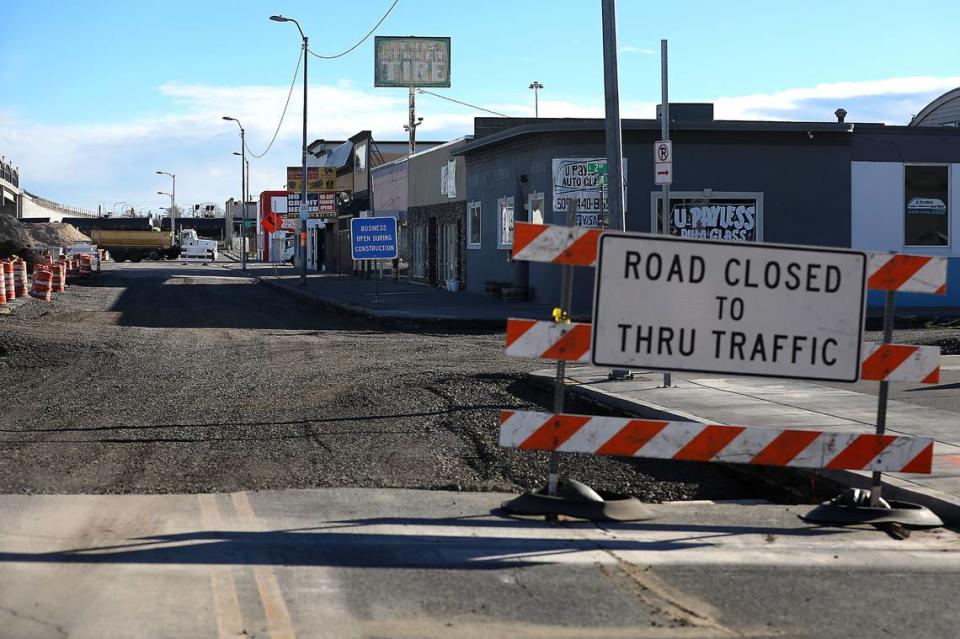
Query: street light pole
{"type": "Point", "coordinates": [173, 205]}
{"type": "Point", "coordinates": [303, 196]}
{"type": "Point", "coordinates": [243, 193]}
{"type": "Point", "coordinates": [536, 86]}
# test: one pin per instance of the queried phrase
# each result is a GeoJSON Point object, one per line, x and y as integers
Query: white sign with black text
{"type": "Point", "coordinates": [720, 307]}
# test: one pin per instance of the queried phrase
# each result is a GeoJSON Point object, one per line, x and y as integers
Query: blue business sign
{"type": "Point", "coordinates": [373, 238]}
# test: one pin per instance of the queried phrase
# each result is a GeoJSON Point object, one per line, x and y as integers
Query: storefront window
{"type": "Point", "coordinates": [473, 225]}
{"type": "Point", "coordinates": [926, 215]}
{"type": "Point", "coordinates": [535, 215]}
{"type": "Point", "coordinates": [505, 229]}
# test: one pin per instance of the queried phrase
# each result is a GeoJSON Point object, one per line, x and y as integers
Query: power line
{"type": "Point", "coordinates": [466, 104]}
{"type": "Point", "coordinates": [296, 72]}
{"type": "Point", "coordinates": [362, 40]}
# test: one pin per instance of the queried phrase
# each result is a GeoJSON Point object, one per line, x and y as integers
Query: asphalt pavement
{"type": "Point", "coordinates": [222, 459]}
{"type": "Point", "coordinates": [154, 378]}
{"type": "Point", "coordinates": [346, 563]}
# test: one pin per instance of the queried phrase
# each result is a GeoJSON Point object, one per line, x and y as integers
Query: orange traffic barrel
{"type": "Point", "coordinates": [42, 287]}
{"type": "Point", "coordinates": [8, 279]}
{"type": "Point", "coordinates": [20, 277]}
{"type": "Point", "coordinates": [3, 295]}
{"type": "Point", "coordinates": [56, 279]}
{"type": "Point", "coordinates": [85, 261]}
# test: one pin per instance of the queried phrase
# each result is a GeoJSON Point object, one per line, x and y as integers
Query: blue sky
{"type": "Point", "coordinates": [97, 95]}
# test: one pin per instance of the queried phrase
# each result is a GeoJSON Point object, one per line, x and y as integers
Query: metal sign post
{"type": "Point", "coordinates": [665, 136]}
{"type": "Point", "coordinates": [561, 314]}
{"type": "Point", "coordinates": [888, 307]}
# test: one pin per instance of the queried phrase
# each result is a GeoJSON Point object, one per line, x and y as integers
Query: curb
{"type": "Point", "coordinates": [946, 506]}
{"type": "Point", "coordinates": [392, 321]}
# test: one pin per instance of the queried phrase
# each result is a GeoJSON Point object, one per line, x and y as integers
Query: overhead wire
{"type": "Point", "coordinates": [362, 40]}
{"type": "Point", "coordinates": [296, 73]}
{"type": "Point", "coordinates": [466, 104]}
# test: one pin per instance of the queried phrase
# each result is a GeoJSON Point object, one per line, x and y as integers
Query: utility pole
{"type": "Point", "coordinates": [611, 90]}
{"type": "Point", "coordinates": [536, 86]}
{"type": "Point", "coordinates": [413, 121]}
{"type": "Point", "coordinates": [243, 192]}
{"type": "Point", "coordinates": [665, 135]}
{"type": "Point", "coordinates": [303, 202]}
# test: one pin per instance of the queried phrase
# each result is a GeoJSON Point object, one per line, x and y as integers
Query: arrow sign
{"type": "Point", "coordinates": [663, 173]}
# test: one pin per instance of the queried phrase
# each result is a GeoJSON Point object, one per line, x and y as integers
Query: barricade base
{"type": "Point", "coordinates": [575, 499]}
{"type": "Point", "coordinates": [851, 507]}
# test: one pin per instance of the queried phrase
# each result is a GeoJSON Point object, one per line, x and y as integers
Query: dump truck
{"type": "Point", "coordinates": [150, 245]}
{"type": "Point", "coordinates": [136, 245]}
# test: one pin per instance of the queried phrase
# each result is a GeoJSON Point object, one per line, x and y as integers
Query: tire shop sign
{"type": "Point", "coordinates": [722, 307]}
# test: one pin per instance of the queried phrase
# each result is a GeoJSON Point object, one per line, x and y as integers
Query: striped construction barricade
{"type": "Point", "coordinates": [42, 284]}
{"type": "Point", "coordinates": [544, 339]}
{"type": "Point", "coordinates": [566, 341]}
{"type": "Point", "coordinates": [85, 266]}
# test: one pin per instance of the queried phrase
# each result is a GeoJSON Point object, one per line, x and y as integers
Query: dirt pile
{"type": "Point", "coordinates": [55, 234]}
{"type": "Point", "coordinates": [14, 237]}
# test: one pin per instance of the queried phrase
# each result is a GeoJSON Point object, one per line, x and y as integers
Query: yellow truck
{"type": "Point", "coordinates": [136, 245]}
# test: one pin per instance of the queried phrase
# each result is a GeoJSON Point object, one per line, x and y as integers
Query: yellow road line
{"type": "Point", "coordinates": [226, 604]}
{"type": "Point", "coordinates": [278, 617]}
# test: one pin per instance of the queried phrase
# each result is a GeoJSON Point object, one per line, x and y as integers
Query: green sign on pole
{"type": "Point", "coordinates": [597, 167]}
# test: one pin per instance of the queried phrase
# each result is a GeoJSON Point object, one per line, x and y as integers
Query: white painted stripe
{"type": "Point", "coordinates": [900, 452]}
{"type": "Point", "coordinates": [669, 441]}
{"type": "Point", "coordinates": [747, 445]}
{"type": "Point", "coordinates": [519, 426]}
{"type": "Point", "coordinates": [592, 435]}
{"type": "Point", "coordinates": [915, 368]}
{"type": "Point", "coordinates": [822, 450]}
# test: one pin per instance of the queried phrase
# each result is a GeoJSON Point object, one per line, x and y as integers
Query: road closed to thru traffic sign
{"type": "Point", "coordinates": [720, 307]}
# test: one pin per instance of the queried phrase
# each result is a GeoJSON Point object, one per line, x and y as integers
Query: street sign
{"type": "Point", "coordinates": [663, 173]}
{"type": "Point", "coordinates": [722, 307]}
{"type": "Point", "coordinates": [373, 238]}
{"type": "Point", "coordinates": [662, 151]}
{"type": "Point", "coordinates": [411, 61]}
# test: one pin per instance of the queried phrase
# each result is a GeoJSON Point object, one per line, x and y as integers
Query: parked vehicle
{"type": "Point", "coordinates": [135, 245]}
{"type": "Point", "coordinates": [152, 245]}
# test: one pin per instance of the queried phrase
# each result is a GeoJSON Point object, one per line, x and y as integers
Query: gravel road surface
{"type": "Point", "coordinates": [167, 378]}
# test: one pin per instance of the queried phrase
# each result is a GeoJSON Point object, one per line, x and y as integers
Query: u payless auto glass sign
{"type": "Point", "coordinates": [720, 307]}
{"type": "Point", "coordinates": [724, 218]}
{"type": "Point", "coordinates": [583, 180]}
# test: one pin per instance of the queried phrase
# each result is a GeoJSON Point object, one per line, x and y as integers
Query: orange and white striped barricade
{"type": "Point", "coordinates": [533, 339]}
{"type": "Point", "coordinates": [695, 441]}
{"type": "Point", "coordinates": [84, 266]}
{"type": "Point", "coordinates": [8, 283]}
{"type": "Point", "coordinates": [42, 284]}
{"type": "Point", "coordinates": [56, 279]}
{"type": "Point", "coordinates": [562, 340]}
{"type": "Point", "coordinates": [73, 270]}
{"type": "Point", "coordinates": [20, 283]}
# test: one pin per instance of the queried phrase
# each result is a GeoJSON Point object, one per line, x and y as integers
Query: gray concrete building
{"type": "Point", "coordinates": [814, 183]}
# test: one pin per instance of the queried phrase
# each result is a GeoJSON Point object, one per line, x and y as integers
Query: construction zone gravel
{"type": "Point", "coordinates": [162, 378]}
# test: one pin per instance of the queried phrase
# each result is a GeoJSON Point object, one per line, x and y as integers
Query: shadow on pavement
{"type": "Point", "coordinates": [214, 299]}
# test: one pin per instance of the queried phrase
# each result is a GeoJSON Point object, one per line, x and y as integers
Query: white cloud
{"type": "Point", "coordinates": [85, 164]}
{"type": "Point", "coordinates": [632, 49]}
{"type": "Point", "coordinates": [891, 101]}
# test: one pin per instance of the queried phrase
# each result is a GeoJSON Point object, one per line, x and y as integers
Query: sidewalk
{"type": "Point", "coordinates": [781, 403]}
{"type": "Point", "coordinates": [396, 301]}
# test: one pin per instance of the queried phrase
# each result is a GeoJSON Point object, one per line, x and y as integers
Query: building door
{"type": "Point", "coordinates": [449, 255]}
